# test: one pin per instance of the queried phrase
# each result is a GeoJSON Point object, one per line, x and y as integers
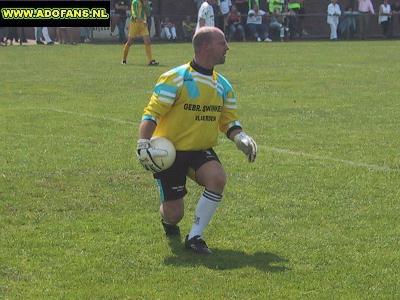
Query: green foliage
{"type": "Point", "coordinates": [316, 216]}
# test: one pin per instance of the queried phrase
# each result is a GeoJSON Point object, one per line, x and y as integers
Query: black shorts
{"type": "Point", "coordinates": [172, 182]}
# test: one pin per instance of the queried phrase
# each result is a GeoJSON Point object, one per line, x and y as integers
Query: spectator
{"type": "Point", "coordinates": [205, 15]}
{"type": "Point", "coordinates": [276, 24]}
{"type": "Point", "coordinates": [294, 21]}
{"type": "Point", "coordinates": [365, 8]}
{"type": "Point", "coordinates": [188, 28]}
{"type": "Point", "coordinates": [242, 6]}
{"type": "Point", "coordinates": [256, 24]}
{"type": "Point", "coordinates": [385, 18]}
{"type": "Point", "coordinates": [11, 35]}
{"type": "Point", "coordinates": [85, 34]}
{"type": "Point", "coordinates": [396, 9]}
{"type": "Point", "coordinates": [3, 35]}
{"type": "Point", "coordinates": [121, 6]}
{"type": "Point", "coordinates": [235, 26]}
{"type": "Point", "coordinates": [290, 21]}
{"type": "Point", "coordinates": [347, 26]}
{"type": "Point", "coordinates": [198, 4]}
{"type": "Point", "coordinates": [273, 5]}
{"type": "Point", "coordinates": [300, 18]}
{"type": "Point", "coordinates": [168, 30]}
{"type": "Point", "coordinates": [65, 35]}
{"type": "Point", "coordinates": [225, 7]}
{"type": "Point", "coordinates": [43, 32]}
{"type": "Point", "coordinates": [332, 19]}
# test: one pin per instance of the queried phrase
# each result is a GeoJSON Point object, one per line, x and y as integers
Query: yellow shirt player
{"type": "Point", "coordinates": [190, 105]}
{"type": "Point", "coordinates": [140, 10]}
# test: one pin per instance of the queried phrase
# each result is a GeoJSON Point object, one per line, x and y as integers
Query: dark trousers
{"type": "Point", "coordinates": [121, 29]}
{"type": "Point", "coordinates": [364, 24]}
{"type": "Point", "coordinates": [387, 28]}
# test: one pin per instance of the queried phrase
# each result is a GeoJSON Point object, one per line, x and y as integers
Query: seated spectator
{"type": "Point", "coordinates": [385, 18]}
{"type": "Point", "coordinates": [188, 28]}
{"type": "Point", "coordinates": [276, 23]}
{"type": "Point", "coordinates": [347, 25]}
{"type": "Point", "coordinates": [235, 27]}
{"type": "Point", "coordinates": [11, 35]}
{"type": "Point", "coordinates": [168, 30]}
{"type": "Point", "coordinates": [256, 24]}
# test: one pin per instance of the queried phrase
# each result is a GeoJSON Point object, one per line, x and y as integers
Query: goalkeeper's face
{"type": "Point", "coordinates": [218, 48]}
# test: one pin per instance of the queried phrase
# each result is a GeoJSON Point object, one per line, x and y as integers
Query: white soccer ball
{"type": "Point", "coordinates": [164, 162]}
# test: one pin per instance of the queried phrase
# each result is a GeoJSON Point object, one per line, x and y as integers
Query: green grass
{"type": "Point", "coordinates": [316, 216]}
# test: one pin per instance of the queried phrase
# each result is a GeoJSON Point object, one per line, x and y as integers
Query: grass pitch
{"type": "Point", "coordinates": [316, 216]}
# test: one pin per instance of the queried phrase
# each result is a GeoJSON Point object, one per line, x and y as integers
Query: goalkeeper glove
{"type": "Point", "coordinates": [246, 144]}
{"type": "Point", "coordinates": [146, 154]}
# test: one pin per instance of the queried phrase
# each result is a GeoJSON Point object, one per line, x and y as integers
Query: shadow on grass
{"type": "Point", "coordinates": [225, 259]}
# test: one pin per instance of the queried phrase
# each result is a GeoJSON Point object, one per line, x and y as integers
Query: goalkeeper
{"type": "Point", "coordinates": [190, 104]}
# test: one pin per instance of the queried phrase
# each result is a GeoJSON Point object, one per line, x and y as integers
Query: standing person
{"type": "Point", "coordinates": [225, 7]}
{"type": "Point", "coordinates": [396, 9]}
{"type": "Point", "coordinates": [205, 16]}
{"type": "Point", "coordinates": [189, 105]}
{"type": "Point", "coordinates": [347, 26]}
{"type": "Point", "coordinates": [121, 6]}
{"type": "Point", "coordinates": [332, 19]}
{"type": "Point", "coordinates": [43, 32]}
{"type": "Point", "coordinates": [385, 18]}
{"type": "Point", "coordinates": [198, 3]}
{"type": "Point", "coordinates": [140, 9]}
{"type": "Point", "coordinates": [365, 8]}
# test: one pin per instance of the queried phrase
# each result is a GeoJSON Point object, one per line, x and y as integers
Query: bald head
{"type": "Point", "coordinates": [204, 36]}
{"type": "Point", "coordinates": [210, 47]}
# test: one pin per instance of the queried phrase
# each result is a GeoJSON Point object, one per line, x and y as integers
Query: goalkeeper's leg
{"type": "Point", "coordinates": [212, 176]}
{"type": "Point", "coordinates": [171, 214]}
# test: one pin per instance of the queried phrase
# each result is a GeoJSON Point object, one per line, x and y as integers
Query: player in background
{"type": "Point", "coordinates": [140, 10]}
{"type": "Point", "coordinates": [205, 16]}
{"type": "Point", "coordinates": [190, 104]}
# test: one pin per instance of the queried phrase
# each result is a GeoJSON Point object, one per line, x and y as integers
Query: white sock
{"type": "Point", "coordinates": [205, 209]}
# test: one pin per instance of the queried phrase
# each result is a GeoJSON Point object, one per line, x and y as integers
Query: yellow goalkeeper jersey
{"type": "Point", "coordinates": [190, 107]}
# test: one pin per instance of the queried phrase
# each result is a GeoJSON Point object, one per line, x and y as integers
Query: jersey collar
{"type": "Point", "coordinates": [200, 69]}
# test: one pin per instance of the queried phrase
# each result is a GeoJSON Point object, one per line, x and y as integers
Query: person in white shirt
{"type": "Point", "coordinates": [225, 8]}
{"type": "Point", "coordinates": [332, 19]}
{"type": "Point", "coordinates": [205, 16]}
{"type": "Point", "coordinates": [258, 29]}
{"type": "Point", "coordinates": [385, 14]}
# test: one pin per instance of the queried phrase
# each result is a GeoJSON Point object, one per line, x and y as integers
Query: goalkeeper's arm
{"type": "Point", "coordinates": [146, 129]}
{"type": "Point", "coordinates": [144, 150]}
{"type": "Point", "coordinates": [244, 143]}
